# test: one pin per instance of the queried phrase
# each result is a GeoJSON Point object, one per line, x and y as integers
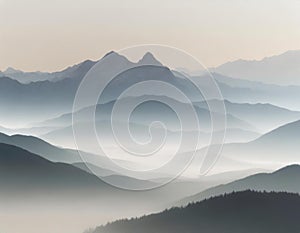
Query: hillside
{"type": "Point", "coordinates": [285, 179]}
{"type": "Point", "coordinates": [242, 212]}
{"type": "Point", "coordinates": [22, 171]}
{"type": "Point", "coordinates": [41, 147]}
{"type": "Point", "coordinates": [280, 146]}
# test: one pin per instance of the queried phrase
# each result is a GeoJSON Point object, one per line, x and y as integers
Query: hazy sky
{"type": "Point", "coordinates": [49, 35]}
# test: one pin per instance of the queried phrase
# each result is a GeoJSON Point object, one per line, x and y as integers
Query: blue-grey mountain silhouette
{"type": "Point", "coordinates": [279, 146]}
{"type": "Point", "coordinates": [281, 69]}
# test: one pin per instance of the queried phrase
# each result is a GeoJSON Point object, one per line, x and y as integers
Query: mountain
{"type": "Point", "coordinates": [25, 77]}
{"type": "Point", "coordinates": [41, 147]}
{"type": "Point", "coordinates": [282, 69]}
{"type": "Point", "coordinates": [141, 117]}
{"type": "Point", "coordinates": [56, 154]}
{"type": "Point", "coordinates": [149, 59]}
{"type": "Point", "coordinates": [28, 77]}
{"type": "Point", "coordinates": [244, 91]}
{"type": "Point", "coordinates": [6, 130]}
{"type": "Point", "coordinates": [43, 99]}
{"type": "Point", "coordinates": [34, 131]}
{"type": "Point", "coordinates": [22, 170]}
{"type": "Point", "coordinates": [36, 101]}
{"type": "Point", "coordinates": [154, 109]}
{"type": "Point", "coordinates": [24, 103]}
{"type": "Point", "coordinates": [30, 181]}
{"type": "Point", "coordinates": [242, 212]}
{"type": "Point", "coordinates": [279, 146]}
{"type": "Point", "coordinates": [113, 177]}
{"type": "Point", "coordinates": [74, 71]}
{"type": "Point", "coordinates": [284, 179]}
{"type": "Point", "coordinates": [256, 114]}
{"type": "Point", "coordinates": [64, 136]}
{"type": "Point", "coordinates": [98, 170]}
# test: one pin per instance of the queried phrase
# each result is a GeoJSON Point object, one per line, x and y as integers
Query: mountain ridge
{"type": "Point", "coordinates": [283, 179]}
{"type": "Point", "coordinates": [230, 213]}
{"type": "Point", "coordinates": [281, 69]}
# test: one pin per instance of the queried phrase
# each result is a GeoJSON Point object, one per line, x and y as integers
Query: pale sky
{"type": "Point", "coordinates": [48, 35]}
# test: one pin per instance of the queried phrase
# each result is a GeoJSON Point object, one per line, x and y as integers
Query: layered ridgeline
{"type": "Point", "coordinates": [281, 69]}
{"type": "Point", "coordinates": [85, 161]}
{"type": "Point", "coordinates": [35, 101]}
{"type": "Point", "coordinates": [90, 163]}
{"type": "Point", "coordinates": [235, 156]}
{"type": "Point", "coordinates": [53, 153]}
{"type": "Point", "coordinates": [97, 164]}
{"type": "Point", "coordinates": [38, 146]}
{"type": "Point", "coordinates": [22, 171]}
{"type": "Point", "coordinates": [28, 162]}
{"type": "Point", "coordinates": [279, 146]}
{"type": "Point", "coordinates": [23, 102]}
{"type": "Point", "coordinates": [245, 122]}
{"type": "Point", "coordinates": [54, 190]}
{"type": "Point", "coordinates": [29, 179]}
{"type": "Point", "coordinates": [35, 188]}
{"type": "Point", "coordinates": [238, 130]}
{"type": "Point", "coordinates": [242, 212]}
{"type": "Point", "coordinates": [285, 179]}
{"type": "Point", "coordinates": [78, 70]}
{"type": "Point", "coordinates": [272, 150]}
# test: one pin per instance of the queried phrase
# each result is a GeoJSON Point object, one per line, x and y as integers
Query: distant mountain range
{"type": "Point", "coordinates": [282, 69]}
{"type": "Point", "coordinates": [238, 130]}
{"type": "Point", "coordinates": [50, 98]}
{"type": "Point", "coordinates": [242, 212]}
{"type": "Point", "coordinates": [23, 103]}
{"type": "Point", "coordinates": [244, 91]}
{"type": "Point", "coordinates": [28, 77]}
{"type": "Point", "coordinates": [249, 116]}
{"type": "Point", "coordinates": [256, 114]}
{"type": "Point", "coordinates": [249, 124]}
{"type": "Point", "coordinates": [262, 134]}
{"type": "Point", "coordinates": [254, 154]}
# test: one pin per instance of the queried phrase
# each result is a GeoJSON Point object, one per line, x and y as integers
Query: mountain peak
{"type": "Point", "coordinates": [11, 70]}
{"type": "Point", "coordinates": [293, 168]}
{"type": "Point", "coordinates": [110, 53]}
{"type": "Point", "coordinates": [149, 59]}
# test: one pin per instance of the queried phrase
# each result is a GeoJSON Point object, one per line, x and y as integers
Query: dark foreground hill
{"type": "Point", "coordinates": [21, 170]}
{"type": "Point", "coordinates": [242, 212]}
{"type": "Point", "coordinates": [44, 149]}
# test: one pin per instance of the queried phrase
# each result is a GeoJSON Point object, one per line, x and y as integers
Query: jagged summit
{"type": "Point", "coordinates": [110, 53]}
{"type": "Point", "coordinates": [149, 59]}
{"type": "Point", "coordinates": [11, 70]}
